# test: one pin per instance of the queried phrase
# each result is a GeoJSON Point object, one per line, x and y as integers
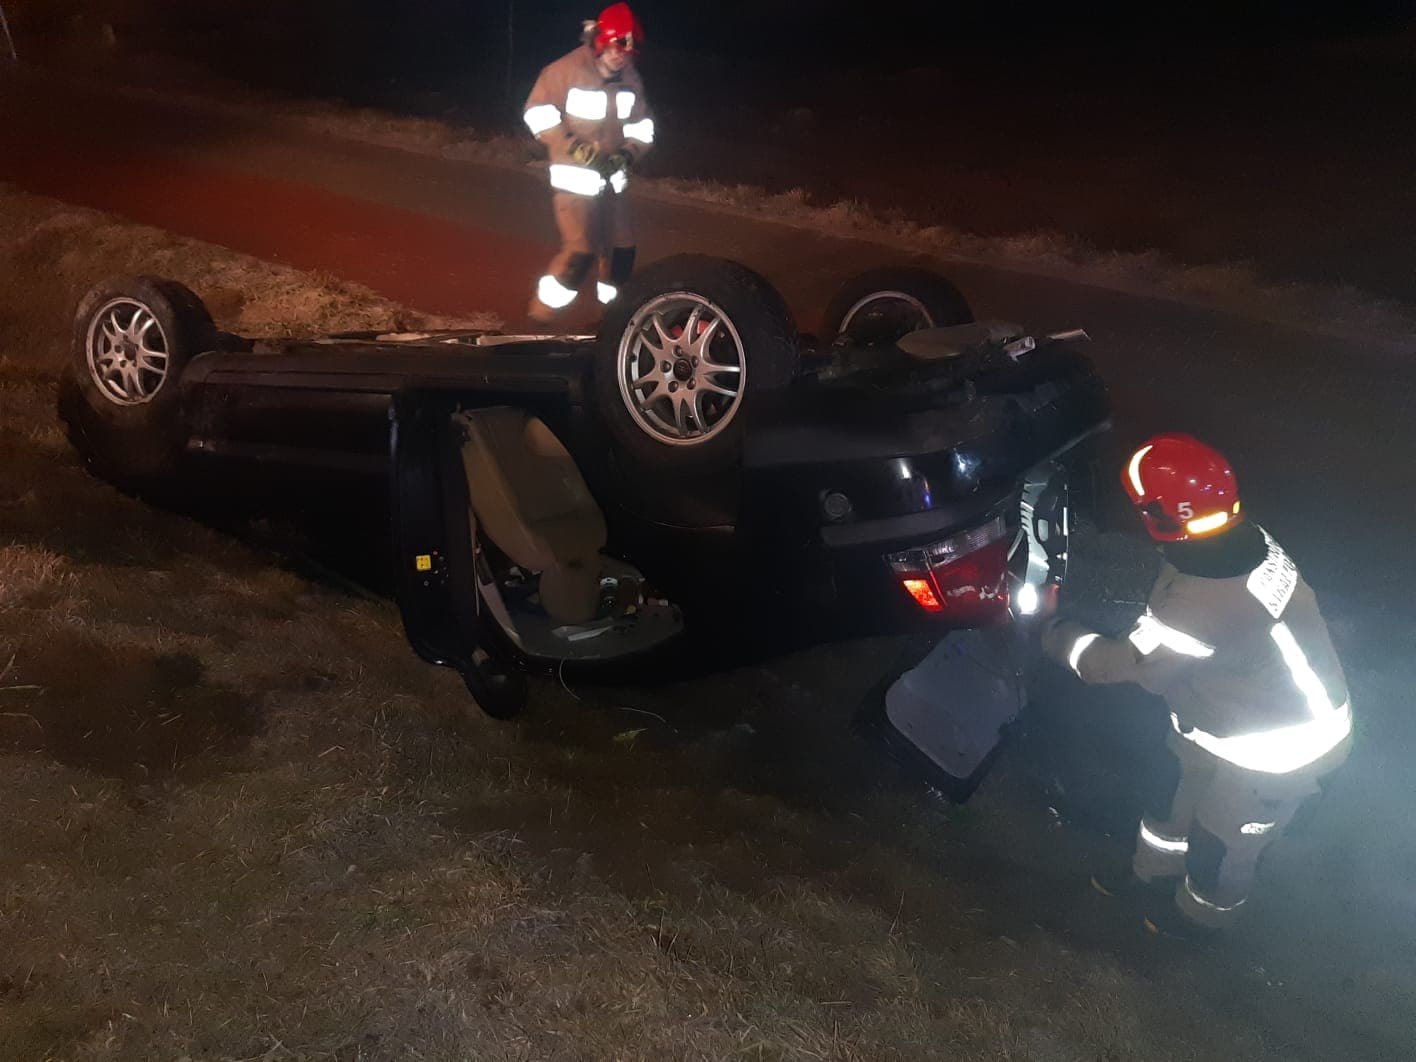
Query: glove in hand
{"type": "Point", "coordinates": [585, 153]}
{"type": "Point", "coordinates": [614, 162]}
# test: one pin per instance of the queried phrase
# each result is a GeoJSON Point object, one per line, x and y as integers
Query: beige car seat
{"type": "Point", "coordinates": [530, 499]}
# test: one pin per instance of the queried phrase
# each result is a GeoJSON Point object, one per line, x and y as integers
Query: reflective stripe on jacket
{"type": "Point", "coordinates": [1245, 664]}
{"type": "Point", "coordinates": [572, 101]}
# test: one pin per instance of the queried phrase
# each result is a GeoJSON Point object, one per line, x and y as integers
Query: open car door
{"type": "Point", "coordinates": [435, 578]}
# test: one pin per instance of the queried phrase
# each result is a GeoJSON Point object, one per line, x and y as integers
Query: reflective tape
{"type": "Point", "coordinates": [1162, 843]}
{"type": "Point", "coordinates": [618, 180]}
{"type": "Point", "coordinates": [1134, 469]}
{"type": "Point", "coordinates": [624, 104]}
{"type": "Point", "coordinates": [1280, 750]}
{"type": "Point", "coordinates": [1256, 829]}
{"type": "Point", "coordinates": [1149, 634]}
{"type": "Point", "coordinates": [1304, 677]}
{"type": "Point", "coordinates": [589, 104]}
{"type": "Point", "coordinates": [542, 117]}
{"type": "Point", "coordinates": [1203, 525]}
{"type": "Point", "coordinates": [642, 130]}
{"type": "Point", "coordinates": [553, 293]}
{"type": "Point", "coordinates": [1210, 904]}
{"type": "Point", "coordinates": [605, 292]}
{"type": "Point", "coordinates": [1074, 655]}
{"type": "Point", "coordinates": [578, 180]}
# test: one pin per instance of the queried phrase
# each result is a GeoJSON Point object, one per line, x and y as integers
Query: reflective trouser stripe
{"type": "Point", "coordinates": [553, 293]}
{"type": "Point", "coordinates": [1158, 855]}
{"type": "Point", "coordinates": [1203, 911]}
{"type": "Point", "coordinates": [1161, 843]}
{"type": "Point", "coordinates": [1171, 828]}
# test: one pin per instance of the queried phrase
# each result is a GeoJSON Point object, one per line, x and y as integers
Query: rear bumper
{"type": "Point", "coordinates": [851, 589]}
{"type": "Point", "coordinates": [836, 480]}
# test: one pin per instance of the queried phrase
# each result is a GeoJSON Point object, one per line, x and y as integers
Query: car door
{"type": "Point", "coordinates": [434, 560]}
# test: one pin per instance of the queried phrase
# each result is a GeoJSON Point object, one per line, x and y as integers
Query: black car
{"type": "Point", "coordinates": [698, 466]}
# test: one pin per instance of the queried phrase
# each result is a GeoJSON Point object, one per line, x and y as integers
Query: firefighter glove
{"type": "Point", "coordinates": [615, 162]}
{"type": "Point", "coordinates": [585, 153]}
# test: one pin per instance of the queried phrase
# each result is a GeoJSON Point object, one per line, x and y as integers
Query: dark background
{"type": "Point", "coordinates": [437, 55]}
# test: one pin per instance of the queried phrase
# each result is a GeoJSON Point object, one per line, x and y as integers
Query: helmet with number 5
{"type": "Point", "coordinates": [618, 27]}
{"type": "Point", "coordinates": [1183, 488]}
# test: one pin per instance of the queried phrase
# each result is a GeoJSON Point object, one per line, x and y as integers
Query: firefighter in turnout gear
{"type": "Point", "coordinates": [1233, 641]}
{"type": "Point", "coordinates": [589, 109]}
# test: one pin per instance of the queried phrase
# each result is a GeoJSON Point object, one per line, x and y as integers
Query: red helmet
{"type": "Point", "coordinates": [618, 25]}
{"type": "Point", "coordinates": [1183, 488]}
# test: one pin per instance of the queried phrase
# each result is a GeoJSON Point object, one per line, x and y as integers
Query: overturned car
{"type": "Point", "coordinates": [697, 471]}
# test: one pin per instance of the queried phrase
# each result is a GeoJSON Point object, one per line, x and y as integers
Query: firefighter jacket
{"type": "Point", "coordinates": [1245, 664]}
{"type": "Point", "coordinates": [573, 103]}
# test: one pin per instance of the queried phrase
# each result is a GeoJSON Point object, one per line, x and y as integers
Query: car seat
{"type": "Point", "coordinates": [529, 498]}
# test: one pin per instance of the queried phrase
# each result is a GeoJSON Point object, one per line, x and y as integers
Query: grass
{"type": "Point", "coordinates": [243, 822]}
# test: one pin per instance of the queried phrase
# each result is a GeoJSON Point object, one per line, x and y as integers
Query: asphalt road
{"type": "Point", "coordinates": [1320, 429]}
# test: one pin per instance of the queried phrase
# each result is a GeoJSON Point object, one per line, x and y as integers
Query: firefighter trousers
{"type": "Point", "coordinates": [1220, 820]}
{"type": "Point", "coordinates": [593, 229]}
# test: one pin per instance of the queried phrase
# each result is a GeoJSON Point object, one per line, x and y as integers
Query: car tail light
{"type": "Point", "coordinates": [922, 590]}
{"type": "Point", "coordinates": [964, 575]}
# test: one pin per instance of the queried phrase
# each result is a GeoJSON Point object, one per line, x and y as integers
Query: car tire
{"type": "Point", "coordinates": [119, 394]}
{"type": "Point", "coordinates": [880, 306]}
{"type": "Point", "coordinates": [677, 400]}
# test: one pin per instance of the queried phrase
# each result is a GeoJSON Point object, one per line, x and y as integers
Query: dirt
{"type": "Point", "coordinates": [116, 709]}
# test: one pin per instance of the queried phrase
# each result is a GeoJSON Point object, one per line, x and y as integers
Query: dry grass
{"type": "Point", "coordinates": [52, 253]}
{"type": "Point", "coordinates": [243, 822]}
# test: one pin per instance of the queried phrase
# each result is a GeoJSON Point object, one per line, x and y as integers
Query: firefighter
{"type": "Point", "coordinates": [1232, 640]}
{"type": "Point", "coordinates": [589, 109]}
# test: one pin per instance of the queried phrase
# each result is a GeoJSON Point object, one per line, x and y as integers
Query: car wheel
{"type": "Point", "coordinates": [682, 351]}
{"type": "Point", "coordinates": [1038, 558]}
{"type": "Point", "coordinates": [119, 395]}
{"type": "Point", "coordinates": [880, 306]}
